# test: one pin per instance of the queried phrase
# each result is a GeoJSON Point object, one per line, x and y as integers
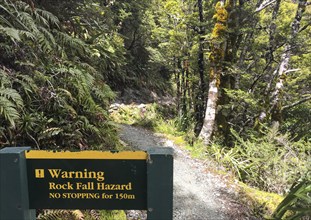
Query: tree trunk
{"type": "Point", "coordinates": [218, 45]}
{"type": "Point", "coordinates": [177, 80]}
{"type": "Point", "coordinates": [211, 106]}
{"type": "Point", "coordinates": [269, 57]}
{"type": "Point", "coordinates": [228, 81]}
{"type": "Point", "coordinates": [183, 109]}
{"type": "Point", "coordinates": [276, 100]}
{"type": "Point", "coordinates": [200, 101]}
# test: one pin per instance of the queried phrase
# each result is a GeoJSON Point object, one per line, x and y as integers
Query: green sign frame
{"type": "Point", "coordinates": [31, 179]}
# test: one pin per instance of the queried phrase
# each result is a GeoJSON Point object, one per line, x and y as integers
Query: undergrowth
{"type": "Point", "coordinates": [61, 214]}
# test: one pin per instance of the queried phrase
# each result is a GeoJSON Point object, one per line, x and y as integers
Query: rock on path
{"type": "Point", "coordinates": [196, 192]}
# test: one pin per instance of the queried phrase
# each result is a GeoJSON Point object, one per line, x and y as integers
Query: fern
{"type": "Point", "coordinates": [50, 91]}
{"type": "Point", "coordinates": [48, 35]}
{"type": "Point", "coordinates": [90, 69]}
{"type": "Point", "coordinates": [8, 111]}
{"type": "Point", "coordinates": [95, 214]}
{"type": "Point", "coordinates": [10, 103]}
{"type": "Point", "coordinates": [47, 16]}
{"type": "Point", "coordinates": [61, 215]}
{"type": "Point", "coordinates": [74, 44]}
{"type": "Point", "coordinates": [49, 133]}
{"type": "Point", "coordinates": [13, 96]}
{"type": "Point", "coordinates": [103, 93]}
{"type": "Point", "coordinates": [29, 35]}
{"type": "Point", "coordinates": [27, 84]}
{"type": "Point", "coordinates": [4, 21]}
{"type": "Point", "coordinates": [13, 33]}
{"type": "Point", "coordinates": [43, 42]}
{"type": "Point", "coordinates": [27, 21]}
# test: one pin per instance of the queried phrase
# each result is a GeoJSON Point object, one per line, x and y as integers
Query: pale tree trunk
{"type": "Point", "coordinates": [210, 113]}
{"type": "Point", "coordinates": [218, 45]}
{"type": "Point", "coordinates": [276, 99]}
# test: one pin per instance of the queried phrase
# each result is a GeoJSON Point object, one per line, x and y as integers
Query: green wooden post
{"type": "Point", "coordinates": [14, 203]}
{"type": "Point", "coordinates": [160, 184]}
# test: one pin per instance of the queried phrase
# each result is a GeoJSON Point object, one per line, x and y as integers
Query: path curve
{"type": "Point", "coordinates": [196, 192]}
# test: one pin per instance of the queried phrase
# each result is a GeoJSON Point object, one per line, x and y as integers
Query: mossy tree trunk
{"type": "Point", "coordinates": [234, 38]}
{"type": "Point", "coordinates": [216, 58]}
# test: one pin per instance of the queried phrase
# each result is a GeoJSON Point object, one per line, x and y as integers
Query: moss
{"type": "Point", "coordinates": [218, 37]}
{"type": "Point", "coordinates": [178, 140]}
{"type": "Point", "coordinates": [221, 14]}
{"type": "Point", "coordinates": [218, 31]}
{"type": "Point", "coordinates": [259, 201]}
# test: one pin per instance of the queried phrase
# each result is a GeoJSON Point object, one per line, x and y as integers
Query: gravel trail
{"type": "Point", "coordinates": [197, 193]}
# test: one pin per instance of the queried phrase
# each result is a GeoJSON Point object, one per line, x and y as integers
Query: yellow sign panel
{"type": "Point", "coordinates": [124, 155]}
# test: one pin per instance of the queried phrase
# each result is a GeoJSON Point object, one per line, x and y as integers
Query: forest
{"type": "Point", "coordinates": [236, 74]}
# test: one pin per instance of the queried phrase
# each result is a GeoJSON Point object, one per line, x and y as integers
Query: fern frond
{"type": "Point", "coordinates": [48, 35]}
{"type": "Point", "coordinates": [27, 21]}
{"type": "Point", "coordinates": [4, 21]}
{"type": "Point", "coordinates": [95, 214]}
{"type": "Point", "coordinates": [28, 35]}
{"type": "Point", "coordinates": [27, 83]}
{"type": "Point", "coordinates": [61, 69]}
{"type": "Point", "coordinates": [15, 11]}
{"type": "Point", "coordinates": [41, 20]}
{"type": "Point", "coordinates": [13, 96]}
{"type": "Point", "coordinates": [78, 214]}
{"type": "Point", "coordinates": [50, 132]}
{"type": "Point", "coordinates": [4, 79]}
{"type": "Point", "coordinates": [65, 92]}
{"type": "Point", "coordinates": [88, 68]}
{"type": "Point", "coordinates": [43, 42]}
{"type": "Point", "coordinates": [71, 42]}
{"type": "Point", "coordinates": [85, 125]}
{"type": "Point", "coordinates": [103, 94]}
{"type": "Point", "coordinates": [47, 16]}
{"type": "Point", "coordinates": [8, 111]}
{"type": "Point", "coordinates": [11, 32]}
{"type": "Point", "coordinates": [61, 215]}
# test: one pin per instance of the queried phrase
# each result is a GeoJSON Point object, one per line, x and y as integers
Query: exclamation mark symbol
{"type": "Point", "coordinates": [39, 173]}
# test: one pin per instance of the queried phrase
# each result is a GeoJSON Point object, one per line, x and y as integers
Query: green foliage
{"type": "Point", "coordinates": [297, 203]}
{"type": "Point", "coordinates": [271, 162]}
{"type": "Point", "coordinates": [11, 103]}
{"type": "Point", "coordinates": [105, 215]}
{"type": "Point", "coordinates": [140, 115]}
{"type": "Point", "coordinates": [52, 95]}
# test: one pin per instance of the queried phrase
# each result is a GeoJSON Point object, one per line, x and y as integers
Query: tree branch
{"type": "Point", "coordinates": [263, 5]}
{"type": "Point", "coordinates": [292, 70]}
{"type": "Point", "coordinates": [296, 103]}
{"type": "Point", "coordinates": [305, 27]}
